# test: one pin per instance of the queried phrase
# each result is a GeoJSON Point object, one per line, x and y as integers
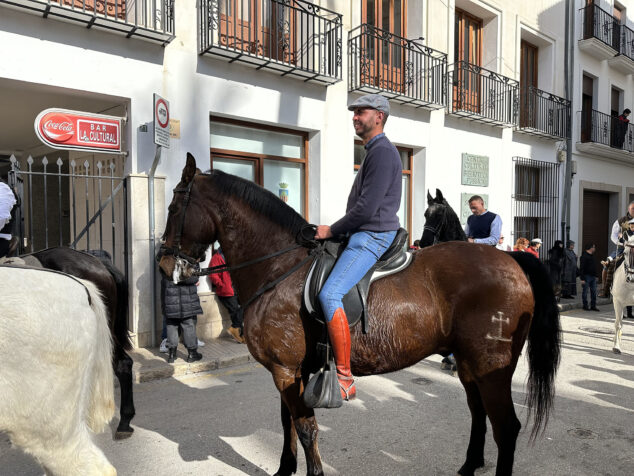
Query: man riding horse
{"type": "Point", "coordinates": [618, 228]}
{"type": "Point", "coordinates": [371, 222]}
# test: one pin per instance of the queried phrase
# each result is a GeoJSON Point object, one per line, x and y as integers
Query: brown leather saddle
{"type": "Point", "coordinates": [394, 259]}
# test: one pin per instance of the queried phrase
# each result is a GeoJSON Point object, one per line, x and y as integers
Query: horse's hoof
{"type": "Point", "coordinates": [615, 350]}
{"type": "Point", "coordinates": [123, 434]}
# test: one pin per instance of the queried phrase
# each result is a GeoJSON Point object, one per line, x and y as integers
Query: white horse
{"type": "Point", "coordinates": [622, 296]}
{"type": "Point", "coordinates": [56, 377]}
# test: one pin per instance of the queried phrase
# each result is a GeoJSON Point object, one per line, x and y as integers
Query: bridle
{"type": "Point", "coordinates": [436, 230]}
{"type": "Point", "coordinates": [182, 259]}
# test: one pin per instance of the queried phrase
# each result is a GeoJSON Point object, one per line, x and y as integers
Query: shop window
{"type": "Point", "coordinates": [272, 157]}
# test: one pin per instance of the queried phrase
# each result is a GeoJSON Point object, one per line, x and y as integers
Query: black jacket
{"type": "Point", "coordinates": [180, 301]}
{"type": "Point", "coordinates": [587, 265]}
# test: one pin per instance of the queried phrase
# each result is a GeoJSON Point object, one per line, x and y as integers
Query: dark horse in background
{"type": "Point", "coordinates": [441, 222]}
{"type": "Point", "coordinates": [468, 299]}
{"type": "Point", "coordinates": [114, 290]}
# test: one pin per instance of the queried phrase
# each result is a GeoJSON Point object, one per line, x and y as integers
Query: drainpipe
{"type": "Point", "coordinates": [150, 190]}
{"type": "Point", "coordinates": [569, 81]}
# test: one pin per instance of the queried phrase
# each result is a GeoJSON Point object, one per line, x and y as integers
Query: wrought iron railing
{"type": "Point", "coordinates": [291, 37]}
{"type": "Point", "coordinates": [627, 42]}
{"type": "Point", "coordinates": [148, 19]}
{"type": "Point", "coordinates": [607, 130]}
{"type": "Point", "coordinates": [483, 95]}
{"type": "Point", "coordinates": [401, 69]}
{"type": "Point", "coordinates": [599, 24]}
{"type": "Point", "coordinates": [543, 113]}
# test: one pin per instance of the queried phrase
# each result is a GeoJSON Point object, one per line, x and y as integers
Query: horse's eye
{"type": "Point", "coordinates": [162, 240]}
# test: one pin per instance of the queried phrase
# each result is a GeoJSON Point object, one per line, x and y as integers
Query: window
{"type": "Point", "coordinates": [386, 61]}
{"type": "Point", "coordinates": [528, 80]}
{"type": "Point", "coordinates": [467, 50]}
{"type": "Point", "coordinates": [404, 212]}
{"type": "Point", "coordinates": [527, 183]}
{"type": "Point", "coordinates": [272, 157]}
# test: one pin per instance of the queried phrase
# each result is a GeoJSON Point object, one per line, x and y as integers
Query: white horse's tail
{"type": "Point", "coordinates": [101, 402]}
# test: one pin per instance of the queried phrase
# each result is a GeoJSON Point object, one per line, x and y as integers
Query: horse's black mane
{"type": "Point", "coordinates": [454, 228]}
{"type": "Point", "coordinates": [259, 199]}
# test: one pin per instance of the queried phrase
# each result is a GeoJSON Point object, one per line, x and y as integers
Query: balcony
{"type": "Point", "coordinates": [483, 96]}
{"type": "Point", "coordinates": [544, 114]}
{"type": "Point", "coordinates": [624, 61]}
{"type": "Point", "coordinates": [292, 38]}
{"type": "Point", "coordinates": [599, 32]}
{"type": "Point", "coordinates": [606, 136]}
{"type": "Point", "coordinates": [151, 20]}
{"type": "Point", "coordinates": [402, 70]}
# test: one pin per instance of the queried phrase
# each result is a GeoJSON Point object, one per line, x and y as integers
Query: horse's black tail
{"type": "Point", "coordinates": [120, 325]}
{"type": "Point", "coordinates": [544, 341]}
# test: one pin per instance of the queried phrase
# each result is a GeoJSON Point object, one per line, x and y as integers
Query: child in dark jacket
{"type": "Point", "coordinates": [181, 306]}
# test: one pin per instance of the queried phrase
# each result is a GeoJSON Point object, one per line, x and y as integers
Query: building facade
{"type": "Point", "coordinates": [259, 88]}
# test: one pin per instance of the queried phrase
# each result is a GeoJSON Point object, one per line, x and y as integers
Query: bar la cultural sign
{"type": "Point", "coordinates": [76, 130]}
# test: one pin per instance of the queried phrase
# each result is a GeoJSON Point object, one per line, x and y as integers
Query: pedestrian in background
{"type": "Point", "coordinates": [556, 258]}
{"type": "Point", "coordinates": [535, 245]}
{"type": "Point", "coordinates": [521, 244]}
{"type": "Point", "coordinates": [483, 226]}
{"type": "Point", "coordinates": [570, 272]}
{"type": "Point", "coordinates": [588, 274]}
{"type": "Point", "coordinates": [181, 306]}
{"type": "Point", "coordinates": [227, 296]}
{"type": "Point", "coordinates": [501, 246]}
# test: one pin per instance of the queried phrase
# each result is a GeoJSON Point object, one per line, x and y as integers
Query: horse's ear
{"type": "Point", "coordinates": [430, 199]}
{"type": "Point", "coordinates": [439, 197]}
{"type": "Point", "coordinates": [190, 169]}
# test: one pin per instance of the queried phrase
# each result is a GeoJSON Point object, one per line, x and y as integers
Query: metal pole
{"type": "Point", "coordinates": [569, 81]}
{"type": "Point", "coordinates": [157, 158]}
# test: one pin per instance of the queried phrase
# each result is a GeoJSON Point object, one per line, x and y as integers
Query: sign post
{"type": "Point", "coordinates": [161, 139]}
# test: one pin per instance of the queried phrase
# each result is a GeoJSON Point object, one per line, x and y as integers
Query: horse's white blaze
{"type": "Point", "coordinates": [56, 378]}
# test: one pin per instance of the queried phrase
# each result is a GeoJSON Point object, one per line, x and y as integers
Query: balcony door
{"type": "Point", "coordinates": [385, 53]}
{"type": "Point", "coordinates": [260, 27]}
{"type": "Point", "coordinates": [586, 108]}
{"type": "Point", "coordinates": [616, 33]}
{"type": "Point", "coordinates": [528, 80]}
{"type": "Point", "coordinates": [467, 51]}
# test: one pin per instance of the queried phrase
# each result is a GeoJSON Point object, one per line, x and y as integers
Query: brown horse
{"type": "Point", "coordinates": [468, 299]}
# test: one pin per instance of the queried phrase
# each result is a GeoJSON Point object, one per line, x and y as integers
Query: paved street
{"type": "Point", "coordinates": [416, 421]}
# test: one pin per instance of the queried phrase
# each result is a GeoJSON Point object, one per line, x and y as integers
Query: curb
{"type": "Point", "coordinates": [569, 306]}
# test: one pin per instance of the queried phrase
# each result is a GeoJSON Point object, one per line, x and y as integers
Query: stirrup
{"type": "Point", "coordinates": [351, 389]}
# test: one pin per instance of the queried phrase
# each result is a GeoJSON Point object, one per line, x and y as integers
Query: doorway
{"type": "Point", "coordinates": [596, 224]}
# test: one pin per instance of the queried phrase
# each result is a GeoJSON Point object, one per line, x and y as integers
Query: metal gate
{"type": "Point", "coordinates": [536, 201]}
{"type": "Point", "coordinates": [77, 203]}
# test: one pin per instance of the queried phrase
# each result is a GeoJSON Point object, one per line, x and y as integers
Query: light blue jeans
{"type": "Point", "coordinates": [362, 252]}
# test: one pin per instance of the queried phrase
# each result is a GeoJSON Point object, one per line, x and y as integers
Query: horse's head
{"type": "Point", "coordinates": [435, 219]}
{"type": "Point", "coordinates": [188, 233]}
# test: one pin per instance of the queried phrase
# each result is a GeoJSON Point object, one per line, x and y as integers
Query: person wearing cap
{"type": "Point", "coordinates": [370, 222]}
{"type": "Point", "coordinates": [533, 248]}
{"type": "Point", "coordinates": [483, 226]}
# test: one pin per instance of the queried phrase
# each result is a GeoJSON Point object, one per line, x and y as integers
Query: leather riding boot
{"type": "Point", "coordinates": [193, 355]}
{"type": "Point", "coordinates": [339, 334]}
{"type": "Point", "coordinates": [171, 355]}
{"type": "Point", "coordinates": [607, 284]}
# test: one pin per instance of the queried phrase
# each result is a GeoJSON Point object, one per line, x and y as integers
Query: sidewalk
{"type": "Point", "coordinates": [150, 364]}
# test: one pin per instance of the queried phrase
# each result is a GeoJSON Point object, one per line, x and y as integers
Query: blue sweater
{"type": "Point", "coordinates": [375, 196]}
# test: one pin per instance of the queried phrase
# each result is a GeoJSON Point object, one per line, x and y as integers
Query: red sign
{"type": "Point", "coordinates": [62, 129]}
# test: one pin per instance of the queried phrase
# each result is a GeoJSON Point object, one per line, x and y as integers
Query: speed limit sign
{"type": "Point", "coordinates": [161, 121]}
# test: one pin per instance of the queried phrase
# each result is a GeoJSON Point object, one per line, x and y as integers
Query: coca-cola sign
{"type": "Point", "coordinates": [62, 129]}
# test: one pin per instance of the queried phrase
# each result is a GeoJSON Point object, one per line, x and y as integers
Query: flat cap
{"type": "Point", "coordinates": [371, 101]}
{"type": "Point", "coordinates": [536, 240]}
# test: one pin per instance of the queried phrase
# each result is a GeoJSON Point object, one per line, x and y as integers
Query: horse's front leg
{"type": "Point", "coordinates": [288, 461]}
{"type": "Point", "coordinates": [122, 364]}
{"type": "Point", "coordinates": [290, 385]}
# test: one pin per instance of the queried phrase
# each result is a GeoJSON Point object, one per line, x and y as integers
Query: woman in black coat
{"type": "Point", "coordinates": [556, 257]}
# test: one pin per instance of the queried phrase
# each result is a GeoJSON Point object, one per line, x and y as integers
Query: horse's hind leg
{"type": "Point", "coordinates": [475, 451]}
{"type": "Point", "coordinates": [289, 383]}
{"type": "Point", "coordinates": [498, 404]}
{"type": "Point", "coordinates": [288, 461]}
{"type": "Point", "coordinates": [122, 364]}
{"type": "Point", "coordinates": [618, 324]}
